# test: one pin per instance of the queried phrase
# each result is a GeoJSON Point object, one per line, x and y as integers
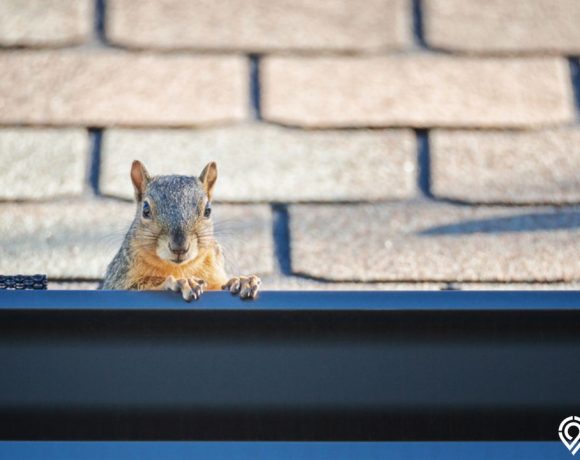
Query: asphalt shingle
{"type": "Point", "coordinates": [507, 167]}
{"type": "Point", "coordinates": [417, 91]}
{"type": "Point", "coordinates": [40, 23]}
{"type": "Point", "coordinates": [423, 241]}
{"type": "Point", "coordinates": [266, 163]}
{"type": "Point", "coordinates": [77, 239]}
{"type": "Point", "coordinates": [42, 163]}
{"type": "Point", "coordinates": [257, 25]}
{"type": "Point", "coordinates": [499, 26]}
{"type": "Point", "coordinates": [105, 88]}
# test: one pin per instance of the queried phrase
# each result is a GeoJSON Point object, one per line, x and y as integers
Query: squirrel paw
{"type": "Point", "coordinates": [189, 288]}
{"type": "Point", "coordinates": [246, 286]}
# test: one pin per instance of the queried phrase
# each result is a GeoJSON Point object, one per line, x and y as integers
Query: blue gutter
{"type": "Point", "coordinates": [294, 366]}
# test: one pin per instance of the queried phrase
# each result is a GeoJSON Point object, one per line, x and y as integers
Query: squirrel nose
{"type": "Point", "coordinates": [178, 250]}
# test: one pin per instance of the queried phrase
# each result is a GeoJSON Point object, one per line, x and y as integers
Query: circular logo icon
{"type": "Point", "coordinates": [569, 432]}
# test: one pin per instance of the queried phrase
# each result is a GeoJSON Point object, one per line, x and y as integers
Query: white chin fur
{"type": "Point", "coordinates": [164, 253]}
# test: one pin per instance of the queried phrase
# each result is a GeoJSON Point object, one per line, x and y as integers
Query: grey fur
{"type": "Point", "coordinates": [178, 201]}
{"type": "Point", "coordinates": [116, 274]}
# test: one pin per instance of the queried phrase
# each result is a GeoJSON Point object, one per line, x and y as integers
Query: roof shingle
{"type": "Point", "coordinates": [435, 242]}
{"type": "Point", "coordinates": [258, 25]}
{"type": "Point", "coordinates": [41, 23]}
{"type": "Point", "coordinates": [528, 167]}
{"type": "Point", "coordinates": [93, 88]}
{"type": "Point", "coordinates": [42, 163]}
{"type": "Point", "coordinates": [77, 239]}
{"type": "Point", "coordinates": [417, 91]}
{"type": "Point", "coordinates": [258, 162]}
{"type": "Point", "coordinates": [499, 26]}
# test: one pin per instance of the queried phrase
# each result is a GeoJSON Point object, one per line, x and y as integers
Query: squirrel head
{"type": "Point", "coordinates": [173, 220]}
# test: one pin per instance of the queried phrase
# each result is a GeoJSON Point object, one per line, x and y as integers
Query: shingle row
{"type": "Point", "coordinates": [265, 163]}
{"type": "Point", "coordinates": [113, 88]}
{"type": "Point", "coordinates": [473, 26]}
{"type": "Point", "coordinates": [396, 242]}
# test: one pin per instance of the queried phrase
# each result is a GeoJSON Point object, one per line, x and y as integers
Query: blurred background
{"type": "Point", "coordinates": [384, 144]}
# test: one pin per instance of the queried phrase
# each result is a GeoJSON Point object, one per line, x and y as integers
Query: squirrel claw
{"type": "Point", "coordinates": [189, 288]}
{"type": "Point", "coordinates": [246, 286]}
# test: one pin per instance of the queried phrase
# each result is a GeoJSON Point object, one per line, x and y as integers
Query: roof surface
{"type": "Point", "coordinates": [399, 145]}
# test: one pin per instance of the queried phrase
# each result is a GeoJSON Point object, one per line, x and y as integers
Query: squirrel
{"type": "Point", "coordinates": [170, 245]}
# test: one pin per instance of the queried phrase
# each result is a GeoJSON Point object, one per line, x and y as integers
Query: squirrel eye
{"type": "Point", "coordinates": [207, 211]}
{"type": "Point", "coordinates": [146, 210]}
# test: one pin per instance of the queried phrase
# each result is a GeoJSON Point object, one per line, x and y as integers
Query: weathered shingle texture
{"type": "Point", "coordinates": [40, 163]}
{"type": "Point", "coordinates": [259, 26]}
{"type": "Point", "coordinates": [499, 26]}
{"type": "Point", "coordinates": [45, 23]}
{"type": "Point", "coordinates": [507, 167]}
{"type": "Point", "coordinates": [385, 144]}
{"type": "Point", "coordinates": [110, 88]}
{"type": "Point", "coordinates": [417, 91]}
{"type": "Point", "coordinates": [317, 165]}
{"type": "Point", "coordinates": [436, 242]}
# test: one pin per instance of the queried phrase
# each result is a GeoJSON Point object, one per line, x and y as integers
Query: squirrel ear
{"type": "Point", "coordinates": [140, 178]}
{"type": "Point", "coordinates": [208, 177]}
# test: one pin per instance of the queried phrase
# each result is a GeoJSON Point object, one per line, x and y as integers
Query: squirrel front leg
{"type": "Point", "coordinates": [190, 288]}
{"type": "Point", "coordinates": [246, 286]}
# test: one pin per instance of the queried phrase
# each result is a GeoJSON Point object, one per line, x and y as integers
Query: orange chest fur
{"type": "Point", "coordinates": [149, 272]}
